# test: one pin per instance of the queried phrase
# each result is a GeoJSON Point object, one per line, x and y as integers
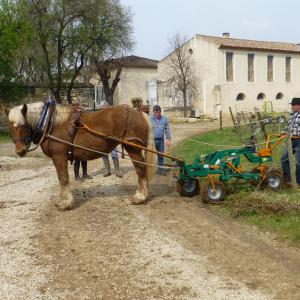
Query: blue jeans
{"type": "Point", "coordinates": [160, 146]}
{"type": "Point", "coordinates": [285, 163]}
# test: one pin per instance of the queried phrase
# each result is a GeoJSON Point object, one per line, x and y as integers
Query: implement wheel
{"type": "Point", "coordinates": [274, 180]}
{"type": "Point", "coordinates": [188, 188]}
{"type": "Point", "coordinates": [213, 194]}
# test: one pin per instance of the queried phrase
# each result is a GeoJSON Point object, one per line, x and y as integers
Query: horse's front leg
{"type": "Point", "coordinates": [141, 193]}
{"type": "Point", "coordinates": [66, 197]}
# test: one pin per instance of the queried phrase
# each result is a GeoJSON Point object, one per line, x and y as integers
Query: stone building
{"type": "Point", "coordinates": [138, 80]}
{"type": "Point", "coordinates": [236, 73]}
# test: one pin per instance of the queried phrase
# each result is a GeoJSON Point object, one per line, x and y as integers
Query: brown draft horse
{"type": "Point", "coordinates": [118, 121]}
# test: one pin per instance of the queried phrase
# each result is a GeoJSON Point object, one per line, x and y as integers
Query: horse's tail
{"type": "Point", "coordinates": [150, 157]}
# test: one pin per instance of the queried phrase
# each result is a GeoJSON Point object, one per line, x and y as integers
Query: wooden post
{"type": "Point", "coordinates": [262, 125]}
{"type": "Point", "coordinates": [221, 121]}
{"type": "Point", "coordinates": [237, 126]}
{"type": "Point", "coordinates": [292, 163]}
{"type": "Point", "coordinates": [232, 117]}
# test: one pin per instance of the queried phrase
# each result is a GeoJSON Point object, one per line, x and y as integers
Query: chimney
{"type": "Point", "coordinates": [226, 34]}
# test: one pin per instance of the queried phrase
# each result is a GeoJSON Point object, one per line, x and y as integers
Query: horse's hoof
{"type": "Point", "coordinates": [63, 206]}
{"type": "Point", "coordinates": [138, 198]}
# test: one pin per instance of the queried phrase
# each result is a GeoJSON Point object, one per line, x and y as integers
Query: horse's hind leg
{"type": "Point", "coordinates": [141, 193]}
{"type": "Point", "coordinates": [66, 197]}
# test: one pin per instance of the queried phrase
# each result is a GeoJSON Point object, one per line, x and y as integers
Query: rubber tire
{"type": "Point", "coordinates": [277, 175]}
{"type": "Point", "coordinates": [207, 190]}
{"type": "Point", "coordinates": [188, 188]}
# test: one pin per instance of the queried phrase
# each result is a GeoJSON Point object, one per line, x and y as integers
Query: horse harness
{"type": "Point", "coordinates": [75, 123]}
{"type": "Point", "coordinates": [45, 124]}
{"type": "Point", "coordinates": [43, 127]}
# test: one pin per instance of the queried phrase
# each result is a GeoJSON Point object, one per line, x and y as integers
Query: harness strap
{"type": "Point", "coordinates": [123, 141]}
{"type": "Point", "coordinates": [134, 138]}
{"type": "Point", "coordinates": [47, 127]}
{"type": "Point", "coordinates": [72, 129]}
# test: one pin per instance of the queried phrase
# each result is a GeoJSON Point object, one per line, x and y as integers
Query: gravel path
{"type": "Point", "coordinates": [171, 248]}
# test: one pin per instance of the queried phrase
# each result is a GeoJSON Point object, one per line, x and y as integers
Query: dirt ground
{"type": "Point", "coordinates": [106, 248]}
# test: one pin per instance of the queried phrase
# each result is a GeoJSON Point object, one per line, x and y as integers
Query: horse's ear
{"type": "Point", "coordinates": [24, 110]}
{"type": "Point", "coordinates": [6, 110]}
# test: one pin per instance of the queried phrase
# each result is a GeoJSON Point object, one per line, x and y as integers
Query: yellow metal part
{"type": "Point", "coordinates": [212, 182]}
{"type": "Point", "coordinates": [214, 167]}
{"type": "Point", "coordinates": [238, 170]}
{"type": "Point", "coordinates": [268, 147]}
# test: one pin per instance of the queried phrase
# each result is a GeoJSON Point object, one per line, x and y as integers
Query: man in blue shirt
{"type": "Point", "coordinates": [294, 130]}
{"type": "Point", "coordinates": [161, 129]}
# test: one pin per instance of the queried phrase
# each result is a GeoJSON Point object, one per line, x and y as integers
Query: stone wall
{"type": "Point", "coordinates": [83, 95]}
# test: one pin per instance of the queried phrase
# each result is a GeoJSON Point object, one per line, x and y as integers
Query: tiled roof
{"type": "Point", "coordinates": [133, 61]}
{"type": "Point", "coordinates": [231, 43]}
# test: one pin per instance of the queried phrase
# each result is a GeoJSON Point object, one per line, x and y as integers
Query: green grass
{"type": "Point", "coordinates": [285, 222]}
{"type": "Point", "coordinates": [4, 137]}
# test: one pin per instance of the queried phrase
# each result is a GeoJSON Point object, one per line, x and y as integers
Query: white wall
{"type": "Point", "coordinates": [213, 90]}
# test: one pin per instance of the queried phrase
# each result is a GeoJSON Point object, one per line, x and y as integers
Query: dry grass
{"type": "Point", "coordinates": [262, 203]}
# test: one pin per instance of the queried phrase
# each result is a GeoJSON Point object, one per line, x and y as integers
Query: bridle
{"type": "Point", "coordinates": [26, 140]}
{"type": "Point", "coordinates": [42, 127]}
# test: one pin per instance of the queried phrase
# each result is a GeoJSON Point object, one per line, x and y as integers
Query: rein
{"type": "Point", "coordinates": [124, 142]}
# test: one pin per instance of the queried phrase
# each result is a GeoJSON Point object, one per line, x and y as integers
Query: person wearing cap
{"type": "Point", "coordinates": [114, 155]}
{"type": "Point", "coordinates": [294, 130]}
{"type": "Point", "coordinates": [161, 130]}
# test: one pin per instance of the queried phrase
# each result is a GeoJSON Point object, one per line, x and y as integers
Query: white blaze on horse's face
{"type": "Point", "coordinates": [20, 136]}
{"type": "Point", "coordinates": [19, 129]}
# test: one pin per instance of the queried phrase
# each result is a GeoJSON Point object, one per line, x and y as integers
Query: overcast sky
{"type": "Point", "coordinates": [156, 21]}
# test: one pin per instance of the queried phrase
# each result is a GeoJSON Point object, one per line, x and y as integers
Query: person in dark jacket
{"type": "Point", "coordinates": [83, 163]}
{"type": "Point", "coordinates": [161, 130]}
{"type": "Point", "coordinates": [294, 130]}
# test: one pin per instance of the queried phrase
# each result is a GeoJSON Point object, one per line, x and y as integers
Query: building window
{"type": "Point", "coordinates": [288, 60]}
{"type": "Point", "coordinates": [250, 67]}
{"type": "Point", "coordinates": [99, 94]}
{"type": "Point", "coordinates": [279, 96]}
{"type": "Point", "coordinates": [229, 66]}
{"type": "Point", "coordinates": [261, 96]}
{"type": "Point", "coordinates": [240, 96]}
{"type": "Point", "coordinates": [270, 68]}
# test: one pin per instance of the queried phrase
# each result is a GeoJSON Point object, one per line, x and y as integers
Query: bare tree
{"type": "Point", "coordinates": [179, 68]}
{"type": "Point", "coordinates": [104, 69]}
{"type": "Point", "coordinates": [107, 58]}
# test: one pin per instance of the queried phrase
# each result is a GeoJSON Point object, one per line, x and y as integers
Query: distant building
{"type": "Point", "coordinates": [138, 80]}
{"type": "Point", "coordinates": [239, 73]}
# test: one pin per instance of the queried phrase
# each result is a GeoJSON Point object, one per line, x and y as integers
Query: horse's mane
{"type": "Point", "coordinates": [34, 110]}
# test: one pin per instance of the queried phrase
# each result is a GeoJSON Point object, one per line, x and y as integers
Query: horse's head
{"type": "Point", "coordinates": [19, 128]}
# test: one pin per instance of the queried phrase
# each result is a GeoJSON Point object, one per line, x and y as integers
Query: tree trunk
{"type": "Point", "coordinates": [57, 96]}
{"type": "Point", "coordinates": [69, 97]}
{"type": "Point", "coordinates": [104, 71]}
{"type": "Point", "coordinates": [184, 103]}
{"type": "Point", "coordinates": [109, 97]}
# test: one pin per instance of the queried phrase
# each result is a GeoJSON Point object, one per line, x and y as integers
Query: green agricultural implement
{"type": "Point", "coordinates": [223, 165]}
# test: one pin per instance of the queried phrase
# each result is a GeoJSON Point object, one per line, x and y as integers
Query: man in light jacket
{"type": "Point", "coordinates": [161, 130]}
